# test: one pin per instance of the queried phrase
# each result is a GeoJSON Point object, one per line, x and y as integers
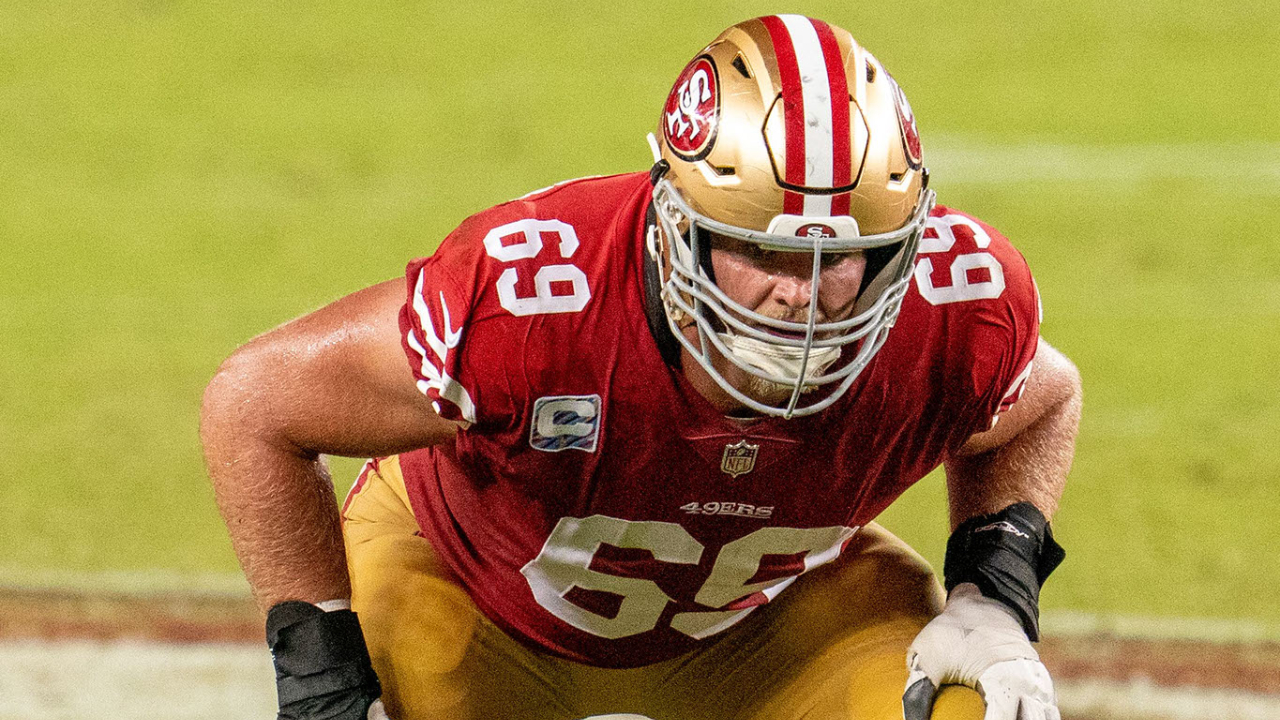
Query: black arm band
{"type": "Point", "coordinates": [323, 671]}
{"type": "Point", "coordinates": [1008, 555]}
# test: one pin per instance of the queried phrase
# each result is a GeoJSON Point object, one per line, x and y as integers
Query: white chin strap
{"type": "Point", "coordinates": [780, 360]}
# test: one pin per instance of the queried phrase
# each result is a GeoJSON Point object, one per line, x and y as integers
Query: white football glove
{"type": "Point", "coordinates": [978, 642]}
{"type": "Point", "coordinates": [377, 711]}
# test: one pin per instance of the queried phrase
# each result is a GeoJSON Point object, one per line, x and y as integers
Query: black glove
{"type": "Point", "coordinates": [322, 665]}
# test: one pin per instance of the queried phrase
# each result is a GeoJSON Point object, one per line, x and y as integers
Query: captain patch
{"type": "Point", "coordinates": [565, 422]}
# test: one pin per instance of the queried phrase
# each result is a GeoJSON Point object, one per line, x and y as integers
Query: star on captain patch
{"type": "Point", "coordinates": [739, 458]}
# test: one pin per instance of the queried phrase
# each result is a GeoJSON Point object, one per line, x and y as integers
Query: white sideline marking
{"type": "Point", "coordinates": [82, 680]}
{"type": "Point", "coordinates": [1146, 701]}
{"type": "Point", "coordinates": [1070, 623]}
{"type": "Point", "coordinates": [1248, 168]}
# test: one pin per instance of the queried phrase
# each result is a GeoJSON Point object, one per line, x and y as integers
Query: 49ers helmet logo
{"type": "Point", "coordinates": [910, 135]}
{"type": "Point", "coordinates": [815, 230]}
{"type": "Point", "coordinates": [692, 112]}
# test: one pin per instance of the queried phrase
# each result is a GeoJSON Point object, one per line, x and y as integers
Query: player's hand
{"type": "Point", "coordinates": [978, 642]}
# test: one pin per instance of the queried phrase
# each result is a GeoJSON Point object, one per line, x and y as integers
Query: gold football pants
{"type": "Point", "coordinates": [832, 647]}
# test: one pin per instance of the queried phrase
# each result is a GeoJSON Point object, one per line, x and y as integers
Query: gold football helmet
{"type": "Point", "coordinates": [785, 133]}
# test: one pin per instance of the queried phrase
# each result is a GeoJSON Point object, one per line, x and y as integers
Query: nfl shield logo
{"type": "Point", "coordinates": [739, 459]}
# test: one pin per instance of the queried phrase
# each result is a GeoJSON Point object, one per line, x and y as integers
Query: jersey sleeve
{"type": "Point", "coordinates": [1015, 324]}
{"type": "Point", "coordinates": [979, 282]}
{"type": "Point", "coordinates": [1015, 369]}
{"type": "Point", "coordinates": [451, 335]}
{"type": "Point", "coordinates": [502, 310]}
{"type": "Point", "coordinates": [433, 322]}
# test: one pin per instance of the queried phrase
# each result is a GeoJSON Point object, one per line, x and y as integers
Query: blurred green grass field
{"type": "Point", "coordinates": [176, 177]}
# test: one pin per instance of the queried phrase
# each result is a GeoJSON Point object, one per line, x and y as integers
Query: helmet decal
{"type": "Point", "coordinates": [692, 113]}
{"type": "Point", "coordinates": [910, 135]}
{"type": "Point", "coordinates": [815, 230]}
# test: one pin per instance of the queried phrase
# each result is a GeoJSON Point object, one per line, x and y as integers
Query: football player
{"type": "Point", "coordinates": [633, 463]}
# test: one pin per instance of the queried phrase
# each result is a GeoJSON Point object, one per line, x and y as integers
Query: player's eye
{"type": "Point", "coordinates": [830, 260]}
{"type": "Point", "coordinates": [767, 256]}
{"type": "Point", "coordinates": [745, 249]}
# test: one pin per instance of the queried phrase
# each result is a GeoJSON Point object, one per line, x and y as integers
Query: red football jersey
{"type": "Point", "coordinates": [596, 506]}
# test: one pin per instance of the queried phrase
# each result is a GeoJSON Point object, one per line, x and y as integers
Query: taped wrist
{"type": "Point", "coordinates": [323, 671]}
{"type": "Point", "coordinates": [1008, 555]}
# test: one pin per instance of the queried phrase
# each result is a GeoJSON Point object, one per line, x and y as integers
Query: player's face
{"type": "Point", "coordinates": [779, 285]}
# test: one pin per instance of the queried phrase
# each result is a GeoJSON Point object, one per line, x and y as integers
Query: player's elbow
{"type": "Point", "coordinates": [1075, 395]}
{"type": "Point", "coordinates": [1063, 378]}
{"type": "Point", "coordinates": [235, 409]}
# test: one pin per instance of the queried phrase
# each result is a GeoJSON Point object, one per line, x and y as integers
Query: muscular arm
{"type": "Point", "coordinates": [1027, 455]}
{"type": "Point", "coordinates": [983, 636]}
{"type": "Point", "coordinates": [334, 381]}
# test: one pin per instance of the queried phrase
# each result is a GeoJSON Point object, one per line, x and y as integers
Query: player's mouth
{"type": "Point", "coordinates": [794, 336]}
{"type": "Point", "coordinates": [798, 330]}
{"type": "Point", "coordinates": [789, 334]}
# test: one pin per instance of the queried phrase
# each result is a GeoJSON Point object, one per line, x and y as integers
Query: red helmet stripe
{"type": "Point", "coordinates": [815, 96]}
{"type": "Point", "coordinates": [792, 110]}
{"type": "Point", "coordinates": [841, 153]}
{"type": "Point", "coordinates": [840, 204]}
{"type": "Point", "coordinates": [792, 202]}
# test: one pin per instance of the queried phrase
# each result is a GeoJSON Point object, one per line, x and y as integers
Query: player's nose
{"type": "Point", "coordinates": [793, 291]}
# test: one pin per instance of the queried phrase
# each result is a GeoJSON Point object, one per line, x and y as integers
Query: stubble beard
{"type": "Point", "coordinates": [770, 392]}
